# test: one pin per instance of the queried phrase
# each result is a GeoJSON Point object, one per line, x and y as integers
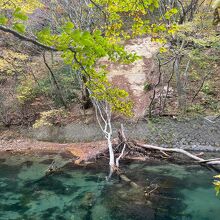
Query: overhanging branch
{"type": "Point", "coordinates": [27, 39]}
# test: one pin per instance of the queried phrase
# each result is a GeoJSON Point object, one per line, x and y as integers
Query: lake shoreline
{"type": "Point", "coordinates": [86, 141]}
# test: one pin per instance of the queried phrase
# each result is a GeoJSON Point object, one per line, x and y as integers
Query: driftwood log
{"type": "Point", "coordinates": [131, 144]}
{"type": "Point", "coordinates": [134, 146]}
{"type": "Point", "coordinates": [214, 161]}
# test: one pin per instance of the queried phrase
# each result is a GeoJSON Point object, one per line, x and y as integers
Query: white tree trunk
{"type": "Point", "coordinates": [111, 156]}
{"type": "Point", "coordinates": [103, 116]}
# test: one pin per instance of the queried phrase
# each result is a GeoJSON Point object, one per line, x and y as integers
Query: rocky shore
{"type": "Point", "coordinates": [86, 141]}
{"type": "Point", "coordinates": [199, 134]}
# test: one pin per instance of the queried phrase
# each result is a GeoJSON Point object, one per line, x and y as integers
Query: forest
{"type": "Point", "coordinates": [107, 107]}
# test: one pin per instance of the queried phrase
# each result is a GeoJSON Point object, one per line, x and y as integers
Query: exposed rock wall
{"type": "Point", "coordinates": [135, 76]}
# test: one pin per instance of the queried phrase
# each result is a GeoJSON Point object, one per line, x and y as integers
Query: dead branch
{"type": "Point", "coordinates": [141, 147]}
{"type": "Point", "coordinates": [177, 150]}
{"type": "Point", "coordinates": [147, 194]}
{"type": "Point", "coordinates": [123, 137]}
{"type": "Point", "coordinates": [209, 160]}
{"type": "Point", "coordinates": [59, 91]}
{"type": "Point", "coordinates": [127, 180]}
{"type": "Point", "coordinates": [155, 86]}
{"type": "Point", "coordinates": [200, 88]}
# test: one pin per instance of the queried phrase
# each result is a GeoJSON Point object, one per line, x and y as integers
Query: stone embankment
{"type": "Point", "coordinates": [202, 134]}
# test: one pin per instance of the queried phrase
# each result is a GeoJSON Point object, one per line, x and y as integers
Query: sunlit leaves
{"type": "Point", "coordinates": [12, 62]}
{"type": "Point", "coordinates": [102, 90]}
{"type": "Point", "coordinates": [217, 184]}
{"type": "Point", "coordinates": [3, 20]}
{"type": "Point", "coordinates": [133, 11]}
{"type": "Point", "coordinates": [45, 36]}
{"type": "Point", "coordinates": [25, 91]}
{"type": "Point", "coordinates": [68, 27]}
{"type": "Point", "coordinates": [216, 4]}
{"type": "Point", "coordinates": [132, 18]}
{"type": "Point", "coordinates": [18, 14]}
{"type": "Point", "coordinates": [82, 49]}
{"type": "Point", "coordinates": [170, 13]}
{"type": "Point", "coordinates": [19, 27]}
{"type": "Point", "coordinates": [47, 118]}
{"type": "Point", "coordinates": [16, 21]}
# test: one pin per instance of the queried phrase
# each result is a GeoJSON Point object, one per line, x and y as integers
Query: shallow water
{"type": "Point", "coordinates": [79, 193]}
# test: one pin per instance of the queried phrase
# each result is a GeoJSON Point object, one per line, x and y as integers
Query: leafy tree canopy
{"type": "Point", "coordinates": [81, 49]}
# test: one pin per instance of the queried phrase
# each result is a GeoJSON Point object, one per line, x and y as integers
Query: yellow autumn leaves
{"type": "Point", "coordinates": [27, 6]}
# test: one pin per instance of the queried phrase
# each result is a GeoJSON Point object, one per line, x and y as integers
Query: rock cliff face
{"type": "Point", "coordinates": [134, 77]}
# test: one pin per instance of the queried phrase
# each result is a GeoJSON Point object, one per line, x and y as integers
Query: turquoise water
{"type": "Point", "coordinates": [82, 193]}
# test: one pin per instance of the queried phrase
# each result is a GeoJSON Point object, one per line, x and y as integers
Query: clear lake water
{"type": "Point", "coordinates": [180, 192]}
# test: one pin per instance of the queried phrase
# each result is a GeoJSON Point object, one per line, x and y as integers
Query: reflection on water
{"type": "Point", "coordinates": [79, 193]}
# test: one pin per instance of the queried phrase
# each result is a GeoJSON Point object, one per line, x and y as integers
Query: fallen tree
{"type": "Point", "coordinates": [126, 147]}
{"type": "Point", "coordinates": [215, 161]}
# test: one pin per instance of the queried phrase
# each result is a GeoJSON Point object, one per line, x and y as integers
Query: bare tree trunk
{"type": "Point", "coordinates": [59, 92]}
{"type": "Point", "coordinates": [111, 157]}
{"type": "Point", "coordinates": [86, 100]}
{"type": "Point", "coordinates": [124, 139]}
{"type": "Point", "coordinates": [178, 83]}
{"type": "Point", "coordinates": [103, 116]}
{"type": "Point", "coordinates": [179, 86]}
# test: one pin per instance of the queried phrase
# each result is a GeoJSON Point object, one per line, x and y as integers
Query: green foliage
{"type": "Point", "coordinates": [19, 27]}
{"type": "Point", "coordinates": [28, 89]}
{"type": "Point", "coordinates": [82, 49]}
{"type": "Point", "coordinates": [217, 184]}
{"type": "Point", "coordinates": [18, 14]}
{"type": "Point", "coordinates": [195, 108]}
{"type": "Point", "coordinates": [216, 4]}
{"type": "Point", "coordinates": [16, 20]}
{"type": "Point", "coordinates": [67, 81]}
{"type": "Point", "coordinates": [196, 42]}
{"type": "Point", "coordinates": [200, 31]}
{"type": "Point", "coordinates": [208, 89]}
{"type": "Point", "coordinates": [3, 20]}
{"type": "Point", "coordinates": [170, 13]}
{"type": "Point", "coordinates": [212, 103]}
{"type": "Point", "coordinates": [147, 87]}
{"type": "Point", "coordinates": [103, 90]}
{"type": "Point", "coordinates": [130, 19]}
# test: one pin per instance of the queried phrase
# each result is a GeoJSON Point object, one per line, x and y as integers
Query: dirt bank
{"type": "Point", "coordinates": [80, 151]}
{"type": "Point", "coordinates": [86, 141]}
